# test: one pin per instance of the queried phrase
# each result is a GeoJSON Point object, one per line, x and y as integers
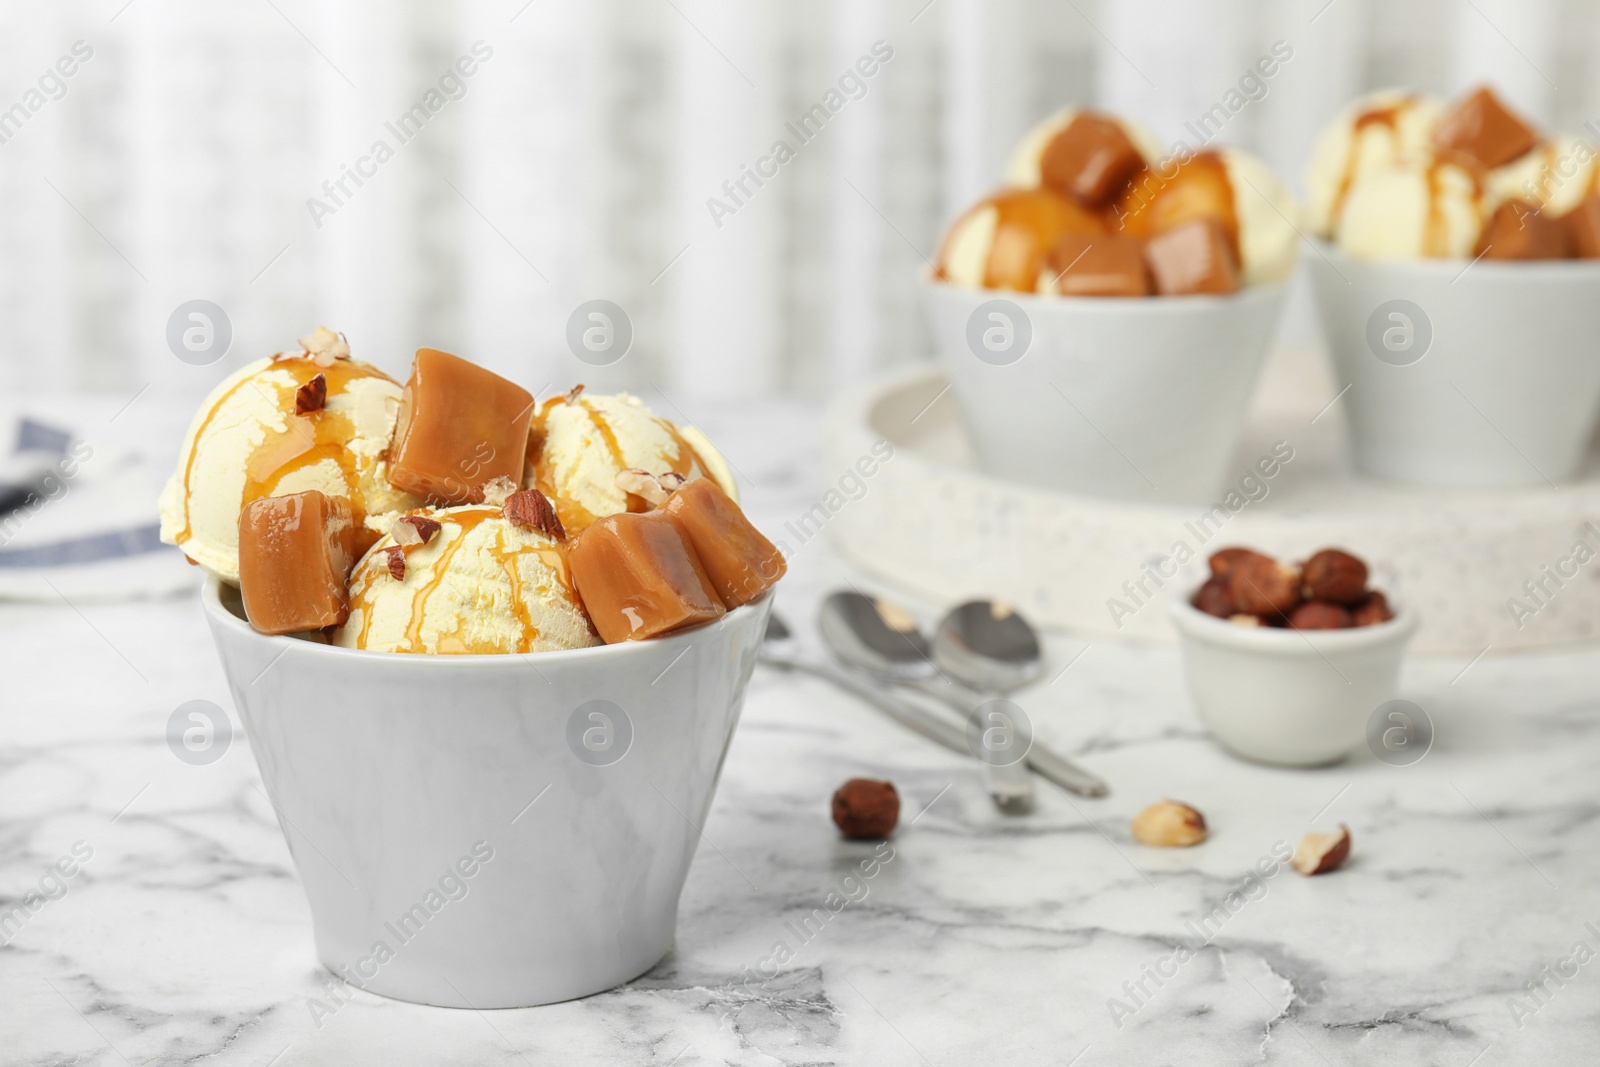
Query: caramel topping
{"type": "Point", "coordinates": [304, 440]}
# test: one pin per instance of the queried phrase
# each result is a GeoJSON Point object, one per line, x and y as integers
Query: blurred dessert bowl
{"type": "Point", "coordinates": [1458, 285]}
{"type": "Point", "coordinates": [1287, 662]}
{"type": "Point", "coordinates": [432, 601]}
{"type": "Point", "coordinates": [1104, 316]}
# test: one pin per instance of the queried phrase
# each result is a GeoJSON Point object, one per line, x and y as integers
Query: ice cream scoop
{"type": "Point", "coordinates": [1411, 211]}
{"type": "Point", "coordinates": [310, 419]}
{"type": "Point", "coordinates": [581, 442]}
{"type": "Point", "coordinates": [479, 583]}
{"type": "Point", "coordinates": [1374, 133]}
{"type": "Point", "coordinates": [1003, 241]}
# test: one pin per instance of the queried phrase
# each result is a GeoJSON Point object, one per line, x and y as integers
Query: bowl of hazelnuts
{"type": "Point", "coordinates": [1285, 661]}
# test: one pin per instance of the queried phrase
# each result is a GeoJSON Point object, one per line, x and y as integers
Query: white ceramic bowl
{"type": "Point", "coordinates": [1299, 697]}
{"type": "Point", "coordinates": [1507, 390]}
{"type": "Point", "coordinates": [1132, 399]}
{"type": "Point", "coordinates": [394, 775]}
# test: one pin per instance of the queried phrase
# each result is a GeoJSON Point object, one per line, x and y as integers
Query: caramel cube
{"type": "Point", "coordinates": [1481, 129]}
{"type": "Point", "coordinates": [1521, 231]}
{"type": "Point", "coordinates": [459, 427]}
{"type": "Point", "coordinates": [741, 563]}
{"type": "Point", "coordinates": [1582, 225]}
{"type": "Point", "coordinates": [638, 577]}
{"type": "Point", "coordinates": [1192, 258]}
{"type": "Point", "coordinates": [1098, 265]}
{"type": "Point", "coordinates": [295, 555]}
{"type": "Point", "coordinates": [1091, 160]}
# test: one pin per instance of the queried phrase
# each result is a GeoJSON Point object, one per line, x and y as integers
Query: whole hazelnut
{"type": "Point", "coordinates": [1169, 824]}
{"type": "Point", "coordinates": [1334, 574]}
{"type": "Point", "coordinates": [1264, 586]}
{"type": "Point", "coordinates": [1320, 615]}
{"type": "Point", "coordinates": [1373, 610]}
{"type": "Point", "coordinates": [1213, 598]}
{"type": "Point", "coordinates": [866, 808]}
{"type": "Point", "coordinates": [1223, 560]}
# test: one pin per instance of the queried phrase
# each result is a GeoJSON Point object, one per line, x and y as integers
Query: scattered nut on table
{"type": "Point", "coordinates": [1321, 853]}
{"type": "Point", "coordinates": [1169, 824]}
{"type": "Point", "coordinates": [866, 808]}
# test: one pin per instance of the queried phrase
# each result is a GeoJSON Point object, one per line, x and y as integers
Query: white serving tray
{"type": "Point", "coordinates": [930, 523]}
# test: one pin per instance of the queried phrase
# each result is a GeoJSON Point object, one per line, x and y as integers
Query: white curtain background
{"type": "Point", "coordinates": [578, 164]}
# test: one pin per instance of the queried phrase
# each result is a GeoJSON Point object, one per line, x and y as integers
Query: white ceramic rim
{"type": "Point", "coordinates": [1106, 305]}
{"type": "Point", "coordinates": [1270, 641]}
{"type": "Point", "coordinates": [1453, 268]}
{"type": "Point", "coordinates": [211, 597]}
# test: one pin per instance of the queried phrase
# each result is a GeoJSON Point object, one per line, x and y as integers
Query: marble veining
{"type": "Point", "coordinates": [184, 937]}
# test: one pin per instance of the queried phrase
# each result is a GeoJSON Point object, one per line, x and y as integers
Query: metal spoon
{"type": "Point", "coordinates": [778, 650]}
{"type": "Point", "coordinates": [882, 639]}
{"type": "Point", "coordinates": [992, 648]}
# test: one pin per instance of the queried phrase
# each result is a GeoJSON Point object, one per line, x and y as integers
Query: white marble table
{"type": "Point", "coordinates": [184, 938]}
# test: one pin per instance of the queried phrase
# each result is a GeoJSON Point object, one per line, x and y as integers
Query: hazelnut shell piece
{"type": "Point", "coordinates": [1321, 853]}
{"type": "Point", "coordinates": [865, 808]}
{"type": "Point", "coordinates": [1169, 824]}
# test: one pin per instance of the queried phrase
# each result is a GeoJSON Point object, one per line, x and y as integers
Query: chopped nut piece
{"type": "Point", "coordinates": [532, 509]}
{"type": "Point", "coordinates": [414, 530]}
{"type": "Point", "coordinates": [866, 808]}
{"type": "Point", "coordinates": [672, 481]}
{"type": "Point", "coordinates": [574, 393]}
{"type": "Point", "coordinates": [311, 396]}
{"type": "Point", "coordinates": [1244, 620]}
{"type": "Point", "coordinates": [325, 346]}
{"type": "Point", "coordinates": [1321, 853]}
{"type": "Point", "coordinates": [497, 490]}
{"type": "Point", "coordinates": [1169, 824]}
{"type": "Point", "coordinates": [397, 562]}
{"type": "Point", "coordinates": [642, 484]}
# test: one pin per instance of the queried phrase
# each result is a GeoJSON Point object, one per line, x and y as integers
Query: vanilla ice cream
{"type": "Point", "coordinates": [480, 585]}
{"type": "Point", "coordinates": [1555, 176]}
{"type": "Point", "coordinates": [1373, 134]}
{"type": "Point", "coordinates": [247, 442]}
{"type": "Point", "coordinates": [1412, 211]}
{"type": "Point", "coordinates": [1268, 218]}
{"type": "Point", "coordinates": [580, 443]}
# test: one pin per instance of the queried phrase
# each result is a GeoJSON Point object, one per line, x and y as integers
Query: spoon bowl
{"type": "Point", "coordinates": [987, 645]}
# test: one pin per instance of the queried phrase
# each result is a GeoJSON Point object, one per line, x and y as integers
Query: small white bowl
{"type": "Point", "coordinates": [393, 775]}
{"type": "Point", "coordinates": [1298, 697]}
{"type": "Point", "coordinates": [1494, 382]}
{"type": "Point", "coordinates": [1128, 398]}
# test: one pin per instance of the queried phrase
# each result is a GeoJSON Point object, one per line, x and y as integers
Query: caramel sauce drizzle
{"type": "Point", "coordinates": [574, 516]}
{"type": "Point", "coordinates": [1385, 115]}
{"type": "Point", "coordinates": [305, 440]}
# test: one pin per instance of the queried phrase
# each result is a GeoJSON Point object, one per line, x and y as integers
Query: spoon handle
{"type": "Point", "coordinates": [933, 727]}
{"type": "Point", "coordinates": [1046, 762]}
